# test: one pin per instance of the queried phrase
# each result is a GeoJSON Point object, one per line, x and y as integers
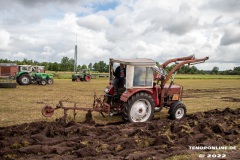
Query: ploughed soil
{"type": "Point", "coordinates": [157, 139]}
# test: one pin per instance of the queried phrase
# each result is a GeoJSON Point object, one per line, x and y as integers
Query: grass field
{"type": "Point", "coordinates": [68, 75]}
{"type": "Point", "coordinates": [24, 103]}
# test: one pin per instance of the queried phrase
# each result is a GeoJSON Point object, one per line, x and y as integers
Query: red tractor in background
{"type": "Point", "coordinates": [139, 97]}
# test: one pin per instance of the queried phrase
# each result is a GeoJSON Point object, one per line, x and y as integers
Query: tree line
{"type": "Point", "coordinates": [67, 64]}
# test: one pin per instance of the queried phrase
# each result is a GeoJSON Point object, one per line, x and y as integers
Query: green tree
{"type": "Point", "coordinates": [79, 68]}
{"type": "Point", "coordinates": [24, 62]}
{"type": "Point", "coordinates": [71, 64]}
{"type": "Point", "coordinates": [90, 66]}
{"type": "Point", "coordinates": [45, 64]}
{"type": "Point", "coordinates": [107, 68]}
{"type": "Point", "coordinates": [55, 66]}
{"type": "Point", "coordinates": [36, 63]}
{"type": "Point", "coordinates": [194, 70]}
{"type": "Point", "coordinates": [102, 66]}
{"type": "Point", "coordinates": [65, 64]}
{"type": "Point", "coordinates": [96, 67]}
{"type": "Point", "coordinates": [236, 68]}
{"type": "Point", "coordinates": [84, 66]}
{"type": "Point", "coordinates": [214, 70]}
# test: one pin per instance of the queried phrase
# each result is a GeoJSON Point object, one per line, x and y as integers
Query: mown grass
{"type": "Point", "coordinates": [206, 76]}
{"type": "Point", "coordinates": [24, 103]}
{"type": "Point", "coordinates": [68, 75]}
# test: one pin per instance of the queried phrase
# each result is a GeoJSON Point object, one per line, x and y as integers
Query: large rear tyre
{"type": "Point", "coordinates": [24, 79]}
{"type": "Point", "coordinates": [125, 111]}
{"type": "Point", "coordinates": [87, 78]}
{"type": "Point", "coordinates": [178, 111]}
{"type": "Point", "coordinates": [139, 108]}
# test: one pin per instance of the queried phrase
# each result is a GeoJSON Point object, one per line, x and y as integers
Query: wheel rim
{"type": "Point", "coordinates": [140, 110]}
{"type": "Point", "coordinates": [47, 111]}
{"type": "Point", "coordinates": [50, 81]}
{"type": "Point", "coordinates": [179, 113]}
{"type": "Point", "coordinates": [43, 82]}
{"type": "Point", "coordinates": [25, 80]}
{"type": "Point", "coordinates": [87, 78]}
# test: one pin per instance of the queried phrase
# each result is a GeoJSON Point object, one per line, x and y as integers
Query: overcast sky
{"type": "Point", "coordinates": [46, 30]}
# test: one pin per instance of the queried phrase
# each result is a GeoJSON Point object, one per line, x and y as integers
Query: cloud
{"type": "Point", "coordinates": [231, 36]}
{"type": "Point", "coordinates": [4, 39]}
{"type": "Point", "coordinates": [181, 24]}
{"type": "Point", "coordinates": [94, 22]}
{"type": "Point", "coordinates": [20, 55]}
{"type": "Point", "coordinates": [223, 5]}
{"type": "Point", "coordinates": [48, 51]}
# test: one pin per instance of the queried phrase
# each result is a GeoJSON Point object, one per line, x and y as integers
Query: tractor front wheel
{"type": "Point", "coordinates": [43, 82]}
{"type": "Point", "coordinates": [178, 111]}
{"type": "Point", "coordinates": [50, 81]}
{"type": "Point", "coordinates": [139, 108]}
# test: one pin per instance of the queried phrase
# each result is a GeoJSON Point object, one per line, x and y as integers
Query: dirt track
{"type": "Point", "coordinates": [158, 139]}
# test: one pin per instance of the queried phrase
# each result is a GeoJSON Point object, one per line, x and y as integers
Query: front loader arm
{"type": "Point", "coordinates": [164, 65]}
{"type": "Point", "coordinates": [185, 60]}
{"type": "Point", "coordinates": [178, 66]}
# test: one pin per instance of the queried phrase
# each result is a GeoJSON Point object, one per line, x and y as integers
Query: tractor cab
{"type": "Point", "coordinates": [31, 69]}
{"type": "Point", "coordinates": [139, 73]}
{"type": "Point", "coordinates": [25, 68]}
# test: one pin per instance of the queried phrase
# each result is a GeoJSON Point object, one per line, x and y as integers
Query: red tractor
{"type": "Point", "coordinates": [139, 96]}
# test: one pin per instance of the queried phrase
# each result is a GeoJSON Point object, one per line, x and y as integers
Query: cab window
{"type": "Point", "coordinates": [143, 76]}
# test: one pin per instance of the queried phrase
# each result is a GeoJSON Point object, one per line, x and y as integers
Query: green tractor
{"type": "Point", "coordinates": [28, 74]}
{"type": "Point", "coordinates": [83, 75]}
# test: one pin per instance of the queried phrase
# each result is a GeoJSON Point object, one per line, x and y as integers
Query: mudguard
{"type": "Point", "coordinates": [127, 94]}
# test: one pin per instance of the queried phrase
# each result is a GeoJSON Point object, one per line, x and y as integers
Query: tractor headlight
{"type": "Point", "coordinates": [106, 90]}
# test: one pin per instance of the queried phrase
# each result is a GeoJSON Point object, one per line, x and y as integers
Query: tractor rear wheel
{"type": "Point", "coordinates": [87, 78]}
{"type": "Point", "coordinates": [139, 108]}
{"type": "Point", "coordinates": [24, 79]}
{"type": "Point", "coordinates": [178, 111]}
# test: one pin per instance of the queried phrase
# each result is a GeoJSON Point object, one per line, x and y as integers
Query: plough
{"type": "Point", "coordinates": [48, 111]}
